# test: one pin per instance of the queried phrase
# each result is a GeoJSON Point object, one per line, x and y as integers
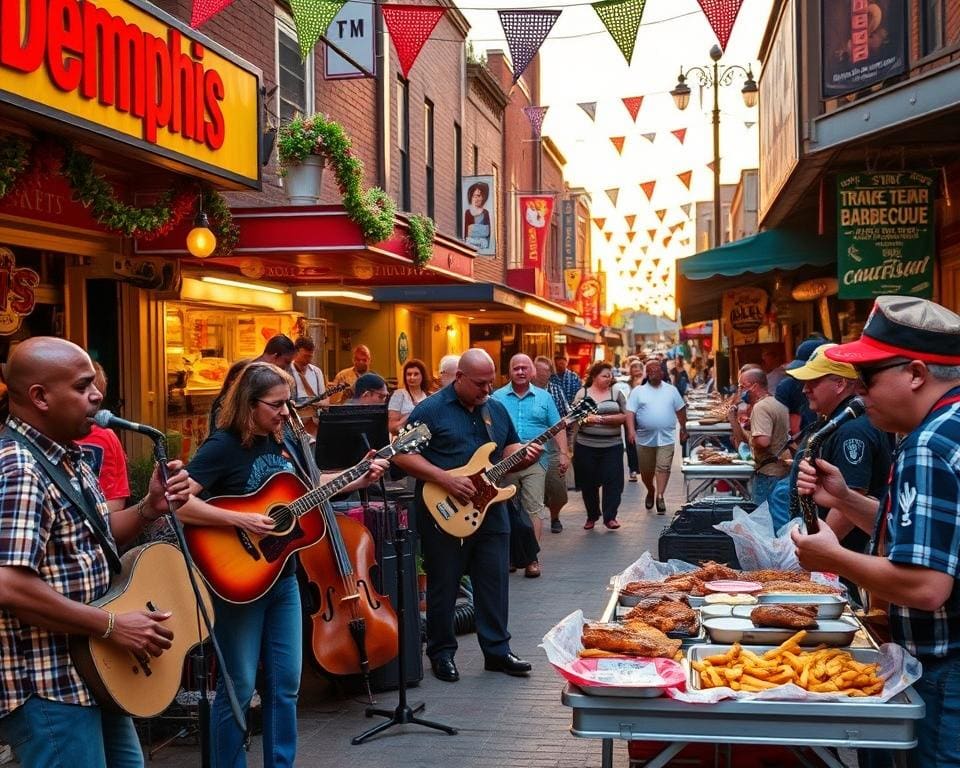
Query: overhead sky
{"type": "Point", "coordinates": [581, 63]}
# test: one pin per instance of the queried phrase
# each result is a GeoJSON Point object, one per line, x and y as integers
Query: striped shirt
{"type": "Point", "coordinates": [42, 531]}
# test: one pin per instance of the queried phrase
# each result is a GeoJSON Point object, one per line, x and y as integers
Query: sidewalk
{"type": "Point", "coordinates": [504, 722]}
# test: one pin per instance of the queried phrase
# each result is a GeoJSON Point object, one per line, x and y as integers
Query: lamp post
{"type": "Point", "coordinates": [713, 77]}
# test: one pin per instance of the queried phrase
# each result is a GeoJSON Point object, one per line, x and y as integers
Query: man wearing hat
{"type": "Point", "coordinates": [908, 360]}
{"type": "Point", "coordinates": [789, 391]}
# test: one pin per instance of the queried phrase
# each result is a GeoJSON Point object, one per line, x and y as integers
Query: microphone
{"type": "Point", "coordinates": [107, 420]}
{"type": "Point", "coordinates": [854, 409]}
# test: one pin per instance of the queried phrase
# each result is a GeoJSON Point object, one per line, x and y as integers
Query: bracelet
{"type": "Point", "coordinates": [111, 621]}
{"type": "Point", "coordinates": [140, 505]}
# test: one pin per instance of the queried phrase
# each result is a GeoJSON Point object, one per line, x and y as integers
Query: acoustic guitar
{"type": "Point", "coordinates": [154, 578]}
{"type": "Point", "coordinates": [240, 566]}
{"type": "Point", "coordinates": [462, 520]}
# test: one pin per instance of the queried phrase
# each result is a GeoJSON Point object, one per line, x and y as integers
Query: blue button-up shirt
{"type": "Point", "coordinates": [532, 414]}
{"type": "Point", "coordinates": [569, 382]}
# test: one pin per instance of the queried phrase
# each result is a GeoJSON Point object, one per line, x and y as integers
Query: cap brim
{"type": "Point", "coordinates": [862, 352]}
{"type": "Point", "coordinates": [805, 373]}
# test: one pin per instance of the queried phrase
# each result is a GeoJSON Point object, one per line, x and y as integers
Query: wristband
{"type": "Point", "coordinates": [111, 621]}
{"type": "Point", "coordinates": [140, 505]}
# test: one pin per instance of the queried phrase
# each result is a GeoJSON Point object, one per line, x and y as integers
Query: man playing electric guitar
{"type": "Point", "coordinates": [461, 418]}
{"type": "Point", "coordinates": [52, 564]}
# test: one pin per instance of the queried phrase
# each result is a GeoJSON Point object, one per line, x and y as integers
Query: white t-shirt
{"type": "Point", "coordinates": [313, 376]}
{"type": "Point", "coordinates": [655, 410]}
{"type": "Point", "coordinates": [402, 402]}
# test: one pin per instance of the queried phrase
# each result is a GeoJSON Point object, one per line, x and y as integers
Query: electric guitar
{"type": "Point", "coordinates": [462, 520]}
{"type": "Point", "coordinates": [153, 577]}
{"type": "Point", "coordinates": [240, 566]}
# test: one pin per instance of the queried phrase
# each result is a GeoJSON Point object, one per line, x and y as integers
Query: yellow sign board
{"type": "Point", "coordinates": [135, 75]}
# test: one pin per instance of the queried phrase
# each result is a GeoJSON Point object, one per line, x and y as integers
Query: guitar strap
{"type": "Point", "coordinates": [84, 501]}
{"type": "Point", "coordinates": [487, 422]}
{"type": "Point", "coordinates": [306, 384]}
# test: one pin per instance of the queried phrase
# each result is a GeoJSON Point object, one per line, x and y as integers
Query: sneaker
{"type": "Point", "coordinates": [556, 526]}
{"type": "Point", "coordinates": [633, 477]}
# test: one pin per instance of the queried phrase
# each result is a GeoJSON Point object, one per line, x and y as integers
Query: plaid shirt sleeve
{"type": "Point", "coordinates": [24, 526]}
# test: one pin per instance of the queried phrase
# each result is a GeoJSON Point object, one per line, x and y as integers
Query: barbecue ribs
{"type": "Point", "coordinates": [785, 616]}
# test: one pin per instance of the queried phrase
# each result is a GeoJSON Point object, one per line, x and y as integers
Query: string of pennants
{"type": "Point", "coordinates": [410, 26]}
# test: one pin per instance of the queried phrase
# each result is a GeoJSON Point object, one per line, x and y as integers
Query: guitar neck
{"type": "Point", "coordinates": [327, 491]}
{"type": "Point", "coordinates": [507, 465]}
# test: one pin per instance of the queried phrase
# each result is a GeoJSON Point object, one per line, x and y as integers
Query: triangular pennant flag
{"type": "Point", "coordinates": [630, 236]}
{"type": "Point", "coordinates": [748, 124]}
{"type": "Point", "coordinates": [656, 262]}
{"type": "Point", "coordinates": [633, 103]}
{"type": "Point", "coordinates": [525, 32]}
{"type": "Point", "coordinates": [648, 187]}
{"type": "Point", "coordinates": [633, 273]}
{"type": "Point", "coordinates": [622, 20]}
{"type": "Point", "coordinates": [649, 136]}
{"type": "Point", "coordinates": [608, 235]}
{"type": "Point", "coordinates": [535, 115]}
{"type": "Point", "coordinates": [685, 178]}
{"type": "Point", "coordinates": [409, 27]}
{"type": "Point", "coordinates": [623, 249]}
{"type": "Point", "coordinates": [680, 133]}
{"type": "Point", "coordinates": [674, 227]}
{"type": "Point", "coordinates": [613, 193]}
{"type": "Point", "coordinates": [686, 208]}
{"type": "Point", "coordinates": [661, 213]}
{"type": "Point", "coordinates": [712, 166]}
{"type": "Point", "coordinates": [617, 142]}
{"type": "Point", "coordinates": [722, 14]}
{"type": "Point", "coordinates": [630, 218]}
{"type": "Point", "coordinates": [599, 221]}
{"type": "Point", "coordinates": [652, 233]}
{"type": "Point", "coordinates": [204, 10]}
{"type": "Point", "coordinates": [643, 249]}
{"type": "Point", "coordinates": [666, 240]}
{"type": "Point", "coordinates": [590, 107]}
{"type": "Point", "coordinates": [312, 17]}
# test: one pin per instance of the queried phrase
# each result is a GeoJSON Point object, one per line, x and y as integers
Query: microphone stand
{"type": "Point", "coordinates": [203, 705]}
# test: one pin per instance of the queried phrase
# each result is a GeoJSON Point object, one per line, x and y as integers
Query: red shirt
{"type": "Point", "coordinates": [103, 452]}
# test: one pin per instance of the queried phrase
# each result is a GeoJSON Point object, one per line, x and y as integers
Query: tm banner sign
{"type": "Point", "coordinates": [885, 233]}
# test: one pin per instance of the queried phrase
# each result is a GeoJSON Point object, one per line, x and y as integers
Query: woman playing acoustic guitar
{"type": "Point", "coordinates": [247, 450]}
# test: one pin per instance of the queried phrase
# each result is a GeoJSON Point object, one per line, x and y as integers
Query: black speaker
{"type": "Point", "coordinates": [386, 678]}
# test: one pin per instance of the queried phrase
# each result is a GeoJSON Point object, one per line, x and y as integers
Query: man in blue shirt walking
{"type": "Point", "coordinates": [569, 381]}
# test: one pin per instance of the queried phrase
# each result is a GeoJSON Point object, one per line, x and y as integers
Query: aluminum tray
{"type": "Point", "coordinates": [736, 629]}
{"type": "Point", "coordinates": [828, 606]}
{"type": "Point", "coordinates": [700, 636]}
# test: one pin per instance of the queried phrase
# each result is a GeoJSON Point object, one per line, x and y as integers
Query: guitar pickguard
{"type": "Point", "coordinates": [275, 547]}
{"type": "Point", "coordinates": [485, 491]}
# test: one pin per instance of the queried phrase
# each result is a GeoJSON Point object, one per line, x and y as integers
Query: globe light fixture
{"type": "Point", "coordinates": [201, 241]}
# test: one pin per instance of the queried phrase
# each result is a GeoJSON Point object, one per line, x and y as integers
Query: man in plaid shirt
{"type": "Point", "coordinates": [908, 360]}
{"type": "Point", "coordinates": [52, 565]}
{"type": "Point", "coordinates": [555, 485]}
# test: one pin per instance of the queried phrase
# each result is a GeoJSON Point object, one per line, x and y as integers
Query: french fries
{"type": "Point", "coordinates": [822, 670]}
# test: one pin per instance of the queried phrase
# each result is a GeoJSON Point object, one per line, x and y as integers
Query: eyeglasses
{"type": "Point", "coordinates": [277, 406]}
{"type": "Point", "coordinates": [867, 374]}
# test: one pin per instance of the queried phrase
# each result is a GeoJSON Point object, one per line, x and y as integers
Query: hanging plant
{"type": "Point", "coordinates": [14, 159]}
{"type": "Point", "coordinates": [421, 229]}
{"type": "Point", "coordinates": [221, 222]}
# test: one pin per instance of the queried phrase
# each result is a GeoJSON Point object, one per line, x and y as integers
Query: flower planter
{"type": "Point", "coordinates": [302, 181]}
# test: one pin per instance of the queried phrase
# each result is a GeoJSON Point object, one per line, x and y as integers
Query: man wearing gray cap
{"type": "Point", "coordinates": [908, 360]}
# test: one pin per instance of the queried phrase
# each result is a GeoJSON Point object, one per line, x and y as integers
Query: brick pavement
{"type": "Point", "coordinates": [503, 721]}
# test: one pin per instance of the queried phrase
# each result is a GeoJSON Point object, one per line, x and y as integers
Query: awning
{"type": "Point", "coordinates": [703, 277]}
{"type": "Point", "coordinates": [582, 333]}
{"type": "Point", "coordinates": [645, 324]}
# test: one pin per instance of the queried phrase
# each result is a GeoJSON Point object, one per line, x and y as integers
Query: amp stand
{"type": "Point", "coordinates": [403, 713]}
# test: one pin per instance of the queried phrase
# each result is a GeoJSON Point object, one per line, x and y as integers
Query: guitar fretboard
{"type": "Point", "coordinates": [327, 491]}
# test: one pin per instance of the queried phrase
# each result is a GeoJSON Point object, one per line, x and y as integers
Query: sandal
{"type": "Point", "coordinates": [588, 526]}
{"type": "Point", "coordinates": [612, 525]}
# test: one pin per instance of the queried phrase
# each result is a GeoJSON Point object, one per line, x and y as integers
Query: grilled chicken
{"type": "Point", "coordinates": [800, 587]}
{"type": "Point", "coordinates": [785, 616]}
{"type": "Point", "coordinates": [636, 640]}
{"type": "Point", "coordinates": [686, 582]}
{"type": "Point", "coordinates": [665, 615]}
{"type": "Point", "coordinates": [774, 575]}
{"type": "Point", "coordinates": [711, 571]}
{"type": "Point", "coordinates": [653, 589]}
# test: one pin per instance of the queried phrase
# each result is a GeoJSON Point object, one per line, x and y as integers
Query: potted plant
{"type": "Point", "coordinates": [303, 150]}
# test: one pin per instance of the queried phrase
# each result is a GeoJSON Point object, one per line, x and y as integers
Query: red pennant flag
{"type": "Point", "coordinates": [633, 103]}
{"type": "Point", "coordinates": [631, 235]}
{"type": "Point", "coordinates": [409, 27]}
{"type": "Point", "coordinates": [599, 222]}
{"type": "Point", "coordinates": [648, 187]}
{"type": "Point", "coordinates": [685, 178]}
{"type": "Point", "coordinates": [680, 133]}
{"type": "Point", "coordinates": [652, 233]}
{"type": "Point", "coordinates": [630, 219]}
{"type": "Point", "coordinates": [661, 213]}
{"type": "Point", "coordinates": [608, 235]}
{"type": "Point", "coordinates": [617, 141]}
{"type": "Point", "coordinates": [722, 14]}
{"type": "Point", "coordinates": [204, 10]}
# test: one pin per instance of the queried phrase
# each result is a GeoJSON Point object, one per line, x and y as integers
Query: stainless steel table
{"type": "Point", "coordinates": [698, 478]}
{"type": "Point", "coordinates": [698, 433]}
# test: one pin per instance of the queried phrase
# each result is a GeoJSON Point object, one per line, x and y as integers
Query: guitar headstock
{"type": "Point", "coordinates": [584, 408]}
{"type": "Point", "coordinates": [412, 438]}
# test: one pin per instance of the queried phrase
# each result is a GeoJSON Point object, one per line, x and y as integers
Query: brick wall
{"type": "Point", "coordinates": [952, 47]}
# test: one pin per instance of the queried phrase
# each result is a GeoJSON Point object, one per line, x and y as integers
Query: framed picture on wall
{"type": "Point", "coordinates": [479, 213]}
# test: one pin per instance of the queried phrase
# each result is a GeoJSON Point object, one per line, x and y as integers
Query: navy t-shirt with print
{"type": "Point", "coordinates": [225, 468]}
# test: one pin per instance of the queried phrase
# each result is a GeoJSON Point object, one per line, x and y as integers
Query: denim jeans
{"type": "Point", "coordinates": [51, 734]}
{"type": "Point", "coordinates": [762, 486]}
{"type": "Point", "coordinates": [268, 630]}
{"type": "Point", "coordinates": [938, 734]}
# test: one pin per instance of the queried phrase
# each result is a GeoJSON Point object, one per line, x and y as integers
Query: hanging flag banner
{"type": "Point", "coordinates": [722, 15]}
{"type": "Point", "coordinates": [622, 20]}
{"type": "Point", "coordinates": [863, 43]}
{"type": "Point", "coordinates": [599, 221]}
{"type": "Point", "coordinates": [623, 249]}
{"type": "Point", "coordinates": [589, 295]}
{"type": "Point", "coordinates": [885, 233]}
{"type": "Point", "coordinates": [571, 280]}
{"type": "Point", "coordinates": [409, 27]}
{"type": "Point", "coordinates": [613, 193]}
{"type": "Point", "coordinates": [608, 235]}
{"type": "Point", "coordinates": [525, 32]}
{"type": "Point", "coordinates": [630, 236]}
{"type": "Point", "coordinates": [617, 142]}
{"type": "Point", "coordinates": [590, 107]}
{"type": "Point", "coordinates": [568, 233]}
{"type": "Point", "coordinates": [633, 104]}
{"type": "Point", "coordinates": [630, 219]}
{"type": "Point", "coordinates": [674, 228]}
{"type": "Point", "coordinates": [651, 137]}
{"type": "Point", "coordinates": [648, 187]}
{"type": "Point", "coordinates": [685, 178]}
{"type": "Point", "coordinates": [643, 249]}
{"type": "Point", "coordinates": [352, 31]}
{"type": "Point", "coordinates": [680, 133]}
{"type": "Point", "coordinates": [661, 213]}
{"type": "Point", "coordinates": [666, 240]}
{"type": "Point", "coordinates": [712, 166]}
{"type": "Point", "coordinates": [686, 208]}
{"type": "Point", "coordinates": [535, 115]}
{"type": "Point", "coordinates": [312, 18]}
{"type": "Point", "coordinates": [535, 212]}
{"type": "Point", "coordinates": [652, 233]}
{"type": "Point", "coordinates": [204, 10]}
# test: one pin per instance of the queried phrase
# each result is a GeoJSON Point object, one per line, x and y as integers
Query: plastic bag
{"type": "Point", "coordinates": [758, 547]}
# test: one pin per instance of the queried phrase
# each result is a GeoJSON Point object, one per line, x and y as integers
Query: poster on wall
{"type": "Point", "coordinates": [535, 213]}
{"type": "Point", "coordinates": [479, 214]}
{"type": "Point", "coordinates": [864, 42]}
{"type": "Point", "coordinates": [18, 296]}
{"type": "Point", "coordinates": [745, 311]}
{"type": "Point", "coordinates": [885, 233]}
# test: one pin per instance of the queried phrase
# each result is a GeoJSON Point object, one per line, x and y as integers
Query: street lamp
{"type": "Point", "coordinates": [713, 77]}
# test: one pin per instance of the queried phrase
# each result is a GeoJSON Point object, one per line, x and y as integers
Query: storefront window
{"type": "Point", "coordinates": [33, 300]}
{"type": "Point", "coordinates": [933, 22]}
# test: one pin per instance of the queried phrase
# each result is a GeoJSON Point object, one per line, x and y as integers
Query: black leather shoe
{"type": "Point", "coordinates": [510, 663]}
{"type": "Point", "coordinates": [444, 669]}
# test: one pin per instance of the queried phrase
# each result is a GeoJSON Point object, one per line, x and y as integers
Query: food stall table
{"type": "Point", "coordinates": [698, 433]}
{"type": "Point", "coordinates": [698, 478]}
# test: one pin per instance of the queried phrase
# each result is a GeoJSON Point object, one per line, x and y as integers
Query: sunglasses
{"type": "Point", "coordinates": [867, 374]}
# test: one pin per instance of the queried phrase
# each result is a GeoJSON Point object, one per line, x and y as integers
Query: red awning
{"type": "Point", "coordinates": [320, 245]}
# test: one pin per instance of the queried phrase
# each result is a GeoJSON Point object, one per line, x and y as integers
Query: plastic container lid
{"type": "Point", "coordinates": [734, 587]}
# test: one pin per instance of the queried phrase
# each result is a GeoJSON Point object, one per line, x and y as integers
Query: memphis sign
{"type": "Point", "coordinates": [116, 69]}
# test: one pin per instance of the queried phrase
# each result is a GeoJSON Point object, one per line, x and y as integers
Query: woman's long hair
{"type": "Point", "coordinates": [252, 384]}
{"type": "Point", "coordinates": [595, 370]}
{"type": "Point", "coordinates": [426, 383]}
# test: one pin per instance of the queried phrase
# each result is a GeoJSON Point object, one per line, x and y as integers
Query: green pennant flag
{"type": "Point", "coordinates": [312, 18]}
{"type": "Point", "coordinates": [622, 20]}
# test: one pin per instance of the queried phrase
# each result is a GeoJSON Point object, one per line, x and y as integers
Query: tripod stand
{"type": "Point", "coordinates": [403, 713]}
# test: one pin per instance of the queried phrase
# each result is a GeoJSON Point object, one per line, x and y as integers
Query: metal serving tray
{"type": "Point", "coordinates": [737, 629]}
{"type": "Point", "coordinates": [700, 636]}
{"type": "Point", "coordinates": [828, 606]}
